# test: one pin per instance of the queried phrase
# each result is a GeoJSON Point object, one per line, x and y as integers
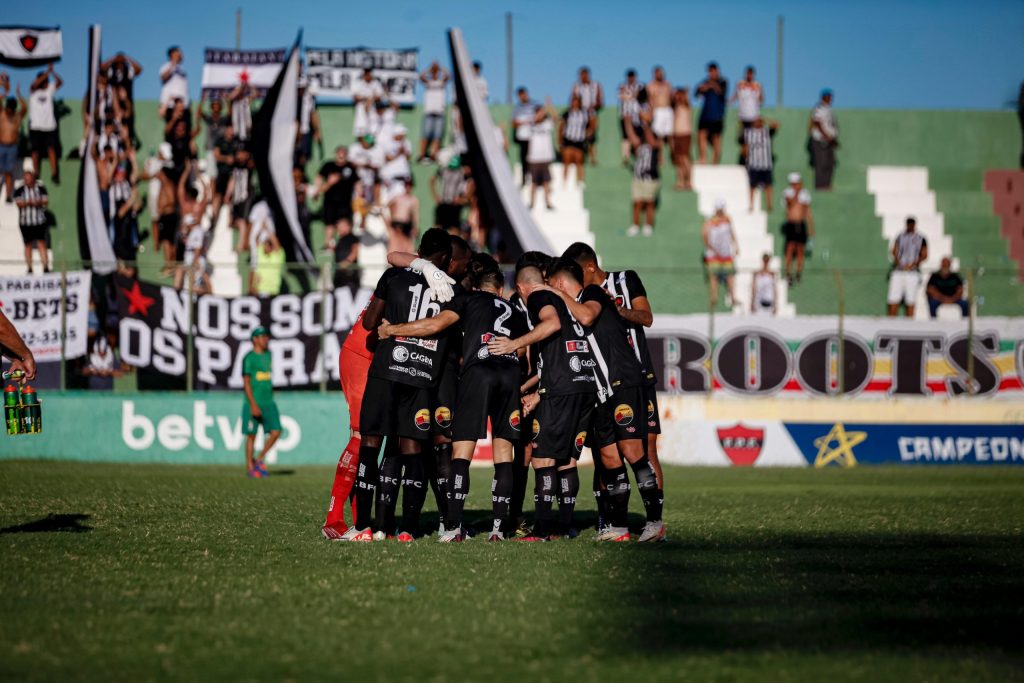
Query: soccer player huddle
{"type": "Point", "coordinates": [559, 363]}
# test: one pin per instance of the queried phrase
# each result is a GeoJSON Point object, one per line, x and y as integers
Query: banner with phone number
{"type": "Point", "coordinates": [32, 303]}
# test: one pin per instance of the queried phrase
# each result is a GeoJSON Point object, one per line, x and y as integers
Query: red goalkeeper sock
{"type": "Point", "coordinates": [344, 479]}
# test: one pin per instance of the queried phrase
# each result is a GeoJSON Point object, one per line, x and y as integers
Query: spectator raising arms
{"type": "Point", "coordinates": [435, 100]}
{"type": "Point", "coordinates": [682, 137]}
{"type": "Point", "coordinates": [592, 100]}
{"type": "Point", "coordinates": [42, 121]}
{"type": "Point", "coordinates": [713, 90]}
{"type": "Point", "coordinates": [10, 122]}
{"type": "Point", "coordinates": [574, 131]}
{"type": "Point", "coordinates": [175, 82]}
{"type": "Point", "coordinates": [946, 287]}
{"type": "Point", "coordinates": [824, 141]}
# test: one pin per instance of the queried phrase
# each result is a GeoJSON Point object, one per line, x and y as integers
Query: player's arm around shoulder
{"type": "Point", "coordinates": [427, 327]}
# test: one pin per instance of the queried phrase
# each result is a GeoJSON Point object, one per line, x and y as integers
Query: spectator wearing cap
{"type": "Point", "coordinates": [368, 158]}
{"type": "Point", "coordinates": [798, 228]}
{"type": "Point", "coordinates": [720, 252]}
{"type": "Point", "coordinates": [713, 91]}
{"type": "Point", "coordinates": [824, 140]}
{"type": "Point", "coordinates": [592, 101]}
{"type": "Point", "coordinates": [522, 122]}
{"type": "Point", "coordinates": [175, 82]}
{"type": "Point", "coordinates": [629, 110]}
{"type": "Point", "coordinates": [946, 287]}
{"type": "Point", "coordinates": [42, 121]}
{"type": "Point", "coordinates": [396, 171]}
{"type": "Point", "coordinates": [435, 101]}
{"type": "Point", "coordinates": [909, 251]}
{"type": "Point", "coordinates": [366, 90]}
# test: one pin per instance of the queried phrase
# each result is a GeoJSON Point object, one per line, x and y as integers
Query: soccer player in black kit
{"type": "Point", "coordinates": [619, 429]}
{"type": "Point", "coordinates": [396, 401]}
{"type": "Point", "coordinates": [488, 388]}
{"type": "Point", "coordinates": [568, 387]}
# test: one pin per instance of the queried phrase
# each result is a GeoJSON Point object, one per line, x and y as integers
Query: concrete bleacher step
{"type": "Point", "coordinates": [226, 279]}
{"type": "Point", "coordinates": [568, 222]}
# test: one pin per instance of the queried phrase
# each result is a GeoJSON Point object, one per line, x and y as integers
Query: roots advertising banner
{"type": "Point", "coordinates": [333, 70]}
{"type": "Point", "coordinates": [33, 304]}
{"type": "Point", "coordinates": [816, 356]}
{"type": "Point", "coordinates": [155, 321]}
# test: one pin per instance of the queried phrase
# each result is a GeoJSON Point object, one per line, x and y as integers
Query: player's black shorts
{"type": "Point", "coordinates": [620, 418]}
{"type": "Point", "coordinates": [560, 426]}
{"type": "Point", "coordinates": [652, 411]}
{"type": "Point", "coordinates": [488, 390]}
{"type": "Point", "coordinates": [442, 400]}
{"type": "Point", "coordinates": [391, 408]}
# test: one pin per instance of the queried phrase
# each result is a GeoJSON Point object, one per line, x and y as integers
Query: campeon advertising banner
{"type": "Point", "coordinates": [33, 304]}
{"type": "Point", "coordinates": [224, 70]}
{"type": "Point", "coordinates": [333, 71]}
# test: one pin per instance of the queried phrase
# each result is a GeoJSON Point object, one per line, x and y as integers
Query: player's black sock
{"type": "Point", "coordinates": [459, 487]}
{"type": "Point", "coordinates": [387, 492]}
{"type": "Point", "coordinates": [544, 491]}
{"type": "Point", "coordinates": [501, 493]}
{"type": "Point", "coordinates": [442, 467]}
{"type": "Point", "coordinates": [599, 492]}
{"type": "Point", "coordinates": [647, 485]}
{"type": "Point", "coordinates": [568, 489]}
{"type": "Point", "coordinates": [520, 478]}
{"type": "Point", "coordinates": [616, 483]}
{"type": "Point", "coordinates": [414, 492]}
{"type": "Point", "coordinates": [366, 484]}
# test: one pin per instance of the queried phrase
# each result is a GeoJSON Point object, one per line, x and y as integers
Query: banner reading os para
{"type": "Point", "coordinates": [33, 304]}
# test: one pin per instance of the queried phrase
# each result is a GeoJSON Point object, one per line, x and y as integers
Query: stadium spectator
{"type": "Point", "coordinates": [10, 123]}
{"type": "Point", "coordinates": [481, 82]}
{"type": "Point", "coordinates": [757, 151]}
{"type": "Point", "coordinates": [32, 200]}
{"type": "Point", "coordinates": [152, 172]}
{"type": "Point", "coordinates": [574, 130]}
{"type": "Point", "coordinates": [629, 110]}
{"type": "Point", "coordinates": [720, 252]}
{"type": "Point", "coordinates": [522, 121]}
{"type": "Point", "coordinates": [368, 158]}
{"type": "Point", "coordinates": [124, 205]}
{"type": "Point", "coordinates": [682, 138]}
{"type": "Point", "coordinates": [242, 194]}
{"type": "Point", "coordinates": [178, 132]}
{"type": "Point", "coordinates": [346, 258]}
{"type": "Point", "coordinates": [659, 97]}
{"type": "Point", "coordinates": [798, 228]}
{"type": "Point", "coordinates": [266, 277]}
{"type": "Point", "coordinates": [309, 125]}
{"type": "Point", "coordinates": [946, 287]}
{"type": "Point", "coordinates": [336, 183]}
{"type": "Point", "coordinates": [165, 221]}
{"type": "Point", "coordinates": [435, 100]}
{"type": "Point", "coordinates": [216, 123]}
{"type": "Point", "coordinates": [592, 100]}
{"type": "Point", "coordinates": [749, 98]}
{"type": "Point", "coordinates": [646, 148]}
{"type": "Point", "coordinates": [223, 156]}
{"type": "Point", "coordinates": [240, 109]}
{"type": "Point", "coordinates": [449, 191]}
{"type": "Point", "coordinates": [366, 90]}
{"type": "Point", "coordinates": [121, 71]}
{"type": "Point", "coordinates": [104, 362]}
{"type": "Point", "coordinates": [396, 171]}
{"type": "Point", "coordinates": [909, 250]}
{"type": "Point", "coordinates": [712, 90]}
{"type": "Point", "coordinates": [403, 219]}
{"type": "Point", "coordinates": [824, 141]}
{"type": "Point", "coordinates": [763, 289]}
{"type": "Point", "coordinates": [175, 82]}
{"type": "Point", "coordinates": [258, 226]}
{"type": "Point", "coordinates": [192, 238]}
{"type": "Point", "coordinates": [42, 121]}
{"type": "Point", "coordinates": [541, 153]}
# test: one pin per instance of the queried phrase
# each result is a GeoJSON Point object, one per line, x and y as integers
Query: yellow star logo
{"type": "Point", "coordinates": [842, 452]}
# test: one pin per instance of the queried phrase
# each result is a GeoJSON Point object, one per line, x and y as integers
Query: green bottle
{"type": "Point", "coordinates": [31, 417]}
{"type": "Point", "coordinates": [11, 409]}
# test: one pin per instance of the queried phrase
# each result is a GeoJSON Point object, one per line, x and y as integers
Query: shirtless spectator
{"type": "Point", "coordinates": [175, 82]}
{"type": "Point", "coordinates": [713, 90]}
{"type": "Point", "coordinates": [720, 252]}
{"type": "Point", "coordinates": [403, 219]}
{"type": "Point", "coordinates": [592, 101]}
{"type": "Point", "coordinates": [192, 238]}
{"type": "Point", "coordinates": [42, 121]}
{"type": "Point", "coordinates": [167, 221]}
{"type": "Point", "coordinates": [366, 90]}
{"type": "Point", "coordinates": [682, 138]}
{"type": "Point", "coordinates": [659, 97]}
{"type": "Point", "coordinates": [10, 122]}
{"type": "Point", "coordinates": [242, 195]}
{"type": "Point", "coordinates": [629, 111]}
{"type": "Point", "coordinates": [337, 182]}
{"type": "Point", "coordinates": [799, 225]}
{"type": "Point", "coordinates": [153, 173]}
{"type": "Point", "coordinates": [435, 85]}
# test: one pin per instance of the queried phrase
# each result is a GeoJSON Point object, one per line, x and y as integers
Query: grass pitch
{"type": "Point", "coordinates": [114, 572]}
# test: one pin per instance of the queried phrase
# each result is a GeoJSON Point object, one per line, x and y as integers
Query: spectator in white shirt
{"type": "Point", "coordinates": [396, 169]}
{"type": "Point", "coordinates": [366, 90]}
{"type": "Point", "coordinates": [368, 158]}
{"type": "Point", "coordinates": [541, 152]}
{"type": "Point", "coordinates": [42, 121]}
{"type": "Point", "coordinates": [175, 82]}
{"type": "Point", "coordinates": [481, 82]}
{"type": "Point", "coordinates": [749, 98]}
{"type": "Point", "coordinates": [435, 84]}
{"type": "Point", "coordinates": [824, 141]}
{"type": "Point", "coordinates": [909, 251]}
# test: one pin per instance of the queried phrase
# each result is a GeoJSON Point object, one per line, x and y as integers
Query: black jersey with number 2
{"type": "Point", "coordinates": [624, 286]}
{"type": "Point", "coordinates": [482, 317]}
{"type": "Point", "coordinates": [609, 331]}
{"type": "Point", "coordinates": [566, 364]}
{"type": "Point", "coordinates": [416, 362]}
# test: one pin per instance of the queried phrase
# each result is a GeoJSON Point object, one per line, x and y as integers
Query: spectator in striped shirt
{"type": "Point", "coordinates": [646, 179]}
{"type": "Point", "coordinates": [32, 200]}
{"type": "Point", "coordinates": [629, 111]}
{"type": "Point", "coordinates": [592, 99]}
{"type": "Point", "coordinates": [909, 251]}
{"type": "Point", "coordinates": [574, 130]}
{"type": "Point", "coordinates": [757, 150]}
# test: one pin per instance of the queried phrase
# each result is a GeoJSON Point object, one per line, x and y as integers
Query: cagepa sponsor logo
{"type": "Point", "coordinates": [400, 354]}
{"type": "Point", "coordinates": [514, 420]}
{"type": "Point", "coordinates": [176, 432]}
{"type": "Point", "coordinates": [421, 359]}
{"type": "Point", "coordinates": [577, 364]}
{"type": "Point", "coordinates": [623, 415]}
{"type": "Point", "coordinates": [742, 445]}
{"type": "Point", "coordinates": [422, 419]}
{"type": "Point", "coordinates": [443, 417]}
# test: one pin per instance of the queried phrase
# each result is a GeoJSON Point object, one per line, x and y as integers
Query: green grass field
{"type": "Point", "coordinates": [115, 572]}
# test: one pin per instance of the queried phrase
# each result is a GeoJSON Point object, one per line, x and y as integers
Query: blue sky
{"type": "Point", "coordinates": [937, 54]}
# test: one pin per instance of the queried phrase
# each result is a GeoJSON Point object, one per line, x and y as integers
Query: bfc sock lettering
{"type": "Point", "coordinates": [366, 484]}
{"type": "Point", "coordinates": [616, 483]}
{"type": "Point", "coordinates": [501, 495]}
{"type": "Point", "coordinates": [568, 489]}
{"type": "Point", "coordinates": [459, 487]}
{"type": "Point", "coordinates": [544, 492]}
{"type": "Point", "coordinates": [599, 492]}
{"type": "Point", "coordinates": [414, 492]}
{"type": "Point", "coordinates": [387, 492]}
{"type": "Point", "coordinates": [442, 466]}
{"type": "Point", "coordinates": [647, 485]}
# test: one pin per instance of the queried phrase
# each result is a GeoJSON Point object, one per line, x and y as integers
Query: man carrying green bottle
{"type": "Point", "coordinates": [259, 408]}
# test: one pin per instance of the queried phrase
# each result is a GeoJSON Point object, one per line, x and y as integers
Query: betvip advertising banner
{"type": "Point", "coordinates": [33, 304]}
{"type": "Point", "coordinates": [812, 356]}
{"type": "Point", "coordinates": [333, 70]}
{"type": "Point", "coordinates": [224, 70]}
{"type": "Point", "coordinates": [155, 321]}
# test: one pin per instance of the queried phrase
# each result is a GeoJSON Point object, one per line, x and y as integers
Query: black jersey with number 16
{"type": "Point", "coordinates": [416, 362]}
{"type": "Point", "coordinates": [566, 364]}
{"type": "Point", "coordinates": [482, 317]}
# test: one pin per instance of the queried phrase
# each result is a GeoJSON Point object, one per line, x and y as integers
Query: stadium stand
{"type": "Point", "coordinates": [1007, 190]}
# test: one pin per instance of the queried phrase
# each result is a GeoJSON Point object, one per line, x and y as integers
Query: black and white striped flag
{"type": "Point", "coordinates": [28, 46]}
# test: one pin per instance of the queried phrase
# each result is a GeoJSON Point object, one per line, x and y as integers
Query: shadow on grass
{"type": "Point", "coordinates": [819, 592]}
{"type": "Point", "coordinates": [51, 523]}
